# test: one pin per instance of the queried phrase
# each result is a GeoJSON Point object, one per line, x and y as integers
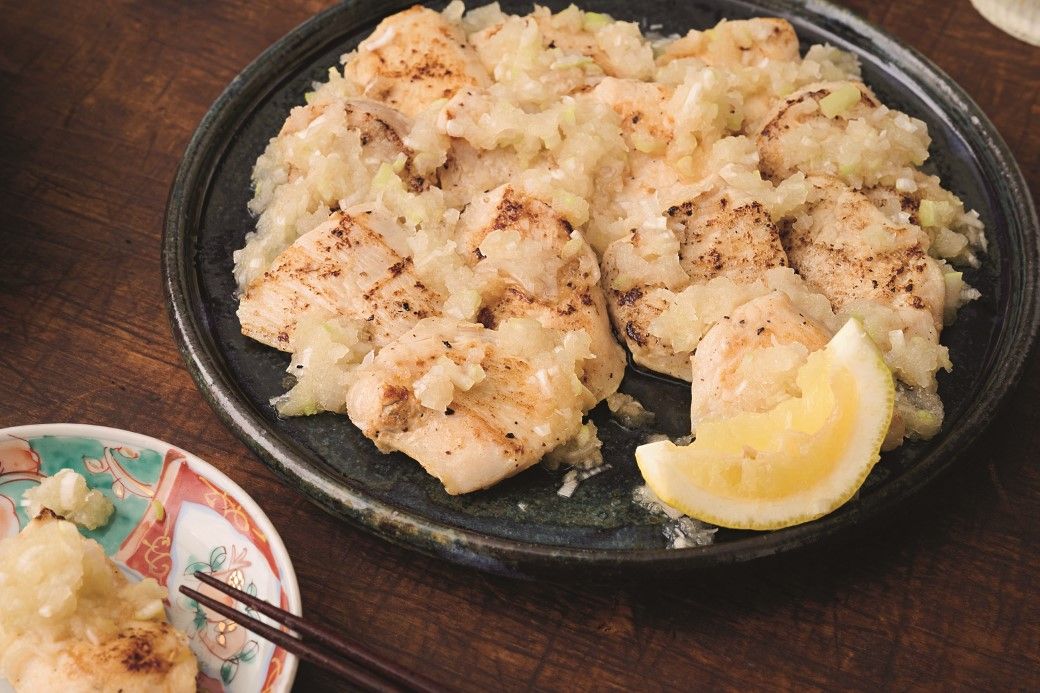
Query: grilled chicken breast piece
{"type": "Point", "coordinates": [895, 204]}
{"type": "Point", "coordinates": [641, 108]}
{"type": "Point", "coordinates": [849, 251]}
{"type": "Point", "coordinates": [381, 131]}
{"type": "Point", "coordinates": [525, 402]}
{"type": "Point", "coordinates": [573, 41]}
{"type": "Point", "coordinates": [748, 361]}
{"type": "Point", "coordinates": [632, 313]}
{"type": "Point", "coordinates": [414, 58]}
{"type": "Point", "coordinates": [715, 239]}
{"type": "Point", "coordinates": [744, 42]}
{"type": "Point", "coordinates": [569, 299]}
{"type": "Point", "coordinates": [98, 640]}
{"type": "Point", "coordinates": [143, 657]}
{"type": "Point", "coordinates": [742, 47]}
{"type": "Point", "coordinates": [354, 265]}
{"type": "Point", "coordinates": [782, 137]}
{"type": "Point", "coordinates": [518, 381]}
{"type": "Point", "coordinates": [470, 172]}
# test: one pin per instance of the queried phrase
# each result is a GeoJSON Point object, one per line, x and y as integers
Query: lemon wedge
{"type": "Point", "coordinates": [794, 463]}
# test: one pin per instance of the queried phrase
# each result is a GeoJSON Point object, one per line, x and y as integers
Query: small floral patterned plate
{"type": "Point", "coordinates": [175, 515]}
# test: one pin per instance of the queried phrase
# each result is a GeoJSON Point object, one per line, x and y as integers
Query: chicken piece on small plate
{"type": "Point", "coordinates": [749, 360]}
{"type": "Point", "coordinates": [547, 272]}
{"type": "Point", "coordinates": [473, 405]}
{"type": "Point", "coordinates": [849, 251]}
{"type": "Point", "coordinates": [72, 622]}
{"type": "Point", "coordinates": [355, 265]}
{"type": "Point", "coordinates": [413, 59]}
{"type": "Point", "coordinates": [146, 656]}
{"type": "Point", "coordinates": [714, 238]}
{"type": "Point", "coordinates": [743, 42]}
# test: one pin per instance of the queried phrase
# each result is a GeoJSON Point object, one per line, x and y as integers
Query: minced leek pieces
{"type": "Point", "coordinates": [596, 20]}
{"type": "Point", "coordinates": [840, 100]}
{"type": "Point", "coordinates": [928, 213]}
{"type": "Point", "coordinates": [647, 144]}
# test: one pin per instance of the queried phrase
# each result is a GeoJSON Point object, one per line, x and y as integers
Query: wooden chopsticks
{"type": "Point", "coordinates": [329, 650]}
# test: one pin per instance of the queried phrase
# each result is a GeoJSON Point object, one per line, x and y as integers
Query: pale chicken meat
{"type": "Point", "coordinates": [575, 40]}
{"type": "Point", "coordinates": [471, 170]}
{"type": "Point", "coordinates": [894, 204]}
{"type": "Point", "coordinates": [956, 236]}
{"type": "Point", "coordinates": [644, 124]}
{"type": "Point", "coordinates": [413, 59]}
{"type": "Point", "coordinates": [803, 106]}
{"type": "Point", "coordinates": [650, 183]}
{"type": "Point", "coordinates": [840, 129]}
{"type": "Point", "coordinates": [749, 360]}
{"type": "Point", "coordinates": [654, 179]}
{"type": "Point", "coordinates": [572, 42]}
{"type": "Point", "coordinates": [745, 48]}
{"type": "Point", "coordinates": [354, 265]}
{"type": "Point", "coordinates": [633, 312]}
{"type": "Point", "coordinates": [848, 250]}
{"type": "Point", "coordinates": [531, 389]}
{"type": "Point", "coordinates": [515, 403]}
{"type": "Point", "coordinates": [715, 239]}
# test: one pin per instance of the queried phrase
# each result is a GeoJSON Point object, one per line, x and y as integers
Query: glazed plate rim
{"type": "Point", "coordinates": [517, 557]}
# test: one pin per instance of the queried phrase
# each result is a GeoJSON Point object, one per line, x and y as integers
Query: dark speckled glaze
{"type": "Point", "coordinates": [522, 527]}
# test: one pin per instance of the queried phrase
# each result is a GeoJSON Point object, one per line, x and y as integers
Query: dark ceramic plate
{"type": "Point", "coordinates": [522, 526]}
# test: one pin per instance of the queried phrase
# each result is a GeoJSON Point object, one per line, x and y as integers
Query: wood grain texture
{"type": "Point", "coordinates": [97, 102]}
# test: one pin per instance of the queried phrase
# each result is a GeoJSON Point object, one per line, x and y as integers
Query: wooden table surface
{"type": "Point", "coordinates": [97, 102]}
